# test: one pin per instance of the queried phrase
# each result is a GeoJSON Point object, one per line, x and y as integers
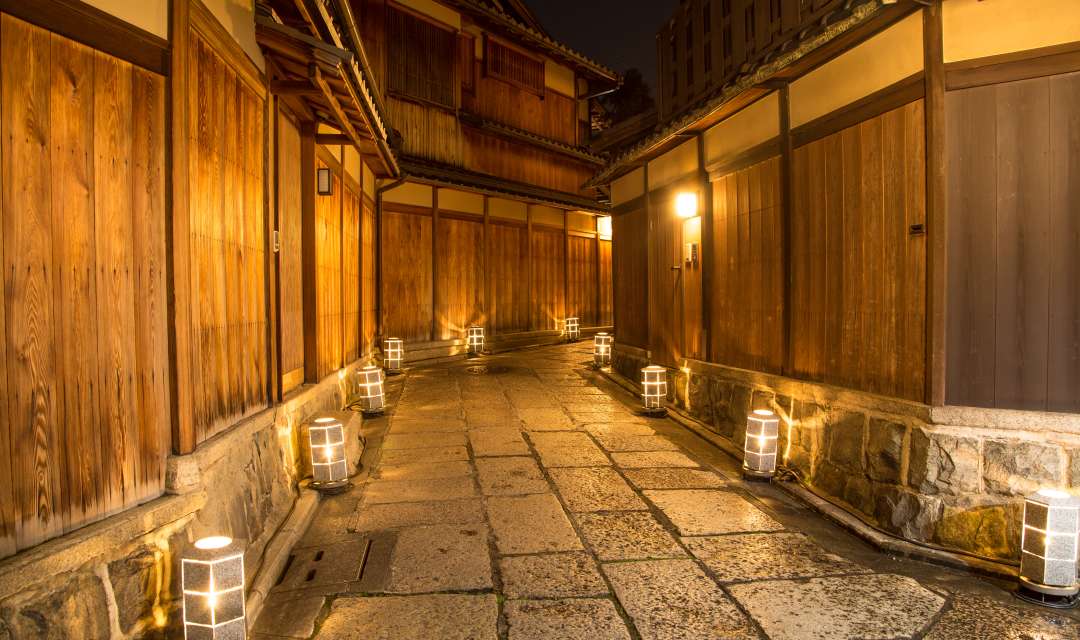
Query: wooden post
{"type": "Point", "coordinates": [434, 261]}
{"type": "Point", "coordinates": [529, 260]}
{"type": "Point", "coordinates": [272, 262]}
{"type": "Point", "coordinates": [487, 270]}
{"type": "Point", "coordinates": [787, 187]}
{"type": "Point", "coordinates": [650, 249]}
{"type": "Point", "coordinates": [566, 268]}
{"type": "Point", "coordinates": [179, 240]}
{"type": "Point", "coordinates": [706, 257]}
{"type": "Point", "coordinates": [308, 250]}
{"type": "Point", "coordinates": [936, 186]}
{"type": "Point", "coordinates": [597, 316]}
{"type": "Point", "coordinates": [341, 258]}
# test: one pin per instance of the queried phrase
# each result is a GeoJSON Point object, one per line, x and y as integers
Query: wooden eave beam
{"type": "Point", "coordinates": [346, 124]}
{"type": "Point", "coordinates": [293, 87]}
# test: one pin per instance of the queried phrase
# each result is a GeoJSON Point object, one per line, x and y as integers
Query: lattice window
{"type": "Point", "coordinates": [422, 59]}
{"type": "Point", "coordinates": [513, 66]}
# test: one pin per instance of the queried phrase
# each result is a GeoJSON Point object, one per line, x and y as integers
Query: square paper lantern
{"type": "Point", "coordinates": [1049, 547]}
{"type": "Point", "coordinates": [212, 579]}
{"type": "Point", "coordinates": [571, 329]}
{"type": "Point", "coordinates": [762, 436]}
{"type": "Point", "coordinates": [370, 381]}
{"type": "Point", "coordinates": [326, 439]}
{"type": "Point", "coordinates": [475, 339]}
{"type": "Point", "coordinates": [653, 388]}
{"type": "Point", "coordinates": [393, 353]}
{"type": "Point", "coordinates": [602, 344]}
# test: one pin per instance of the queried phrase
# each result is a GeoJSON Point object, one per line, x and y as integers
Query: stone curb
{"type": "Point", "coordinates": [278, 550]}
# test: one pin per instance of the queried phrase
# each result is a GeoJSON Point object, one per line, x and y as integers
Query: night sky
{"type": "Point", "coordinates": [617, 33]}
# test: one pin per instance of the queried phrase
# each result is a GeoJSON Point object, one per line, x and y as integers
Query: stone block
{"type": "Point", "coordinates": [1020, 467]}
{"type": "Point", "coordinates": [944, 464]}
{"type": "Point", "coordinates": [885, 449]}
{"type": "Point", "coordinates": [906, 513]}
{"type": "Point", "coordinates": [134, 579]}
{"type": "Point", "coordinates": [74, 607]}
{"type": "Point", "coordinates": [990, 530]}
{"type": "Point", "coordinates": [737, 409]}
{"type": "Point", "coordinates": [844, 430]}
{"type": "Point", "coordinates": [1074, 469]}
{"type": "Point", "coordinates": [700, 389]}
{"type": "Point", "coordinates": [859, 493]}
{"type": "Point", "coordinates": [830, 479]}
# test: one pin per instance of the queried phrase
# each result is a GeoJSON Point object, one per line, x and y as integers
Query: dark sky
{"type": "Point", "coordinates": [618, 33]}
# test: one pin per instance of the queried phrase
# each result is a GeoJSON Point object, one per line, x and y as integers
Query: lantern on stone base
{"type": "Point", "coordinates": [571, 329]}
{"type": "Point", "coordinates": [654, 389]}
{"type": "Point", "coordinates": [602, 344]}
{"type": "Point", "coordinates": [212, 580]}
{"type": "Point", "coordinates": [759, 451]}
{"type": "Point", "coordinates": [326, 443]}
{"type": "Point", "coordinates": [393, 354]}
{"type": "Point", "coordinates": [475, 340]}
{"type": "Point", "coordinates": [1048, 549]}
{"type": "Point", "coordinates": [372, 397]}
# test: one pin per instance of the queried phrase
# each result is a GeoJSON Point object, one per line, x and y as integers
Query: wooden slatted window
{"type": "Point", "coordinates": [467, 62]}
{"type": "Point", "coordinates": [513, 66]}
{"type": "Point", "coordinates": [421, 61]}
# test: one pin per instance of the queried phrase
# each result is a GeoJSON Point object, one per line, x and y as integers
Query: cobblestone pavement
{"type": "Point", "coordinates": [520, 496]}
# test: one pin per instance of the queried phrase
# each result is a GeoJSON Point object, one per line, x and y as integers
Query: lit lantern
{"type": "Point", "coordinates": [393, 354]}
{"type": "Point", "coordinates": [654, 388]}
{"type": "Point", "coordinates": [212, 579]}
{"type": "Point", "coordinates": [686, 204]}
{"type": "Point", "coordinates": [1048, 558]}
{"type": "Point", "coordinates": [602, 343]}
{"type": "Point", "coordinates": [571, 329]}
{"type": "Point", "coordinates": [329, 470]}
{"type": "Point", "coordinates": [372, 398]}
{"type": "Point", "coordinates": [759, 452]}
{"type": "Point", "coordinates": [475, 339]}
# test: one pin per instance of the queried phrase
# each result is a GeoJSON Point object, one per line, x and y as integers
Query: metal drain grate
{"type": "Point", "coordinates": [490, 369]}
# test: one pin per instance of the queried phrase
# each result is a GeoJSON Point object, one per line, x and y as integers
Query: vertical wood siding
{"type": "Point", "coordinates": [629, 265]}
{"type": "Point", "coordinates": [1013, 337]}
{"type": "Point", "coordinates": [328, 276]}
{"type": "Point", "coordinates": [406, 274]}
{"type": "Point", "coordinates": [582, 278]}
{"type": "Point", "coordinates": [460, 270]}
{"type": "Point", "coordinates": [509, 273]}
{"type": "Point", "coordinates": [367, 288]}
{"type": "Point", "coordinates": [84, 421]}
{"type": "Point", "coordinates": [350, 270]}
{"type": "Point", "coordinates": [291, 278]}
{"type": "Point", "coordinates": [606, 311]}
{"type": "Point", "coordinates": [548, 278]}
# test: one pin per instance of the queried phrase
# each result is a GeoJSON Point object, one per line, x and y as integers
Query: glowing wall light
{"type": "Point", "coordinates": [1048, 557]}
{"type": "Point", "coordinates": [370, 382]}
{"type": "Point", "coordinates": [393, 354]}
{"type": "Point", "coordinates": [601, 351]}
{"type": "Point", "coordinates": [212, 579]}
{"type": "Point", "coordinates": [653, 388]}
{"type": "Point", "coordinates": [326, 440]}
{"type": "Point", "coordinates": [475, 339]}
{"type": "Point", "coordinates": [762, 437]}
{"type": "Point", "coordinates": [686, 204]}
{"type": "Point", "coordinates": [572, 329]}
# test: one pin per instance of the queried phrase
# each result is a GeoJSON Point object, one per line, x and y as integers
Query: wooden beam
{"type": "Point", "coordinates": [487, 270]}
{"type": "Point", "coordinates": [596, 261]}
{"type": "Point", "coordinates": [308, 251]}
{"type": "Point", "coordinates": [332, 139]}
{"type": "Point", "coordinates": [178, 240]}
{"type": "Point", "coordinates": [566, 267]}
{"type": "Point", "coordinates": [529, 261]}
{"type": "Point", "coordinates": [434, 262]}
{"type": "Point", "coordinates": [272, 222]}
{"type": "Point", "coordinates": [706, 252]}
{"type": "Point", "coordinates": [318, 80]}
{"type": "Point", "coordinates": [293, 88]}
{"type": "Point", "coordinates": [787, 188]}
{"type": "Point", "coordinates": [936, 188]}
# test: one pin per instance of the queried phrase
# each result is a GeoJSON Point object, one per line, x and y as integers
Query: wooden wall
{"type": "Point", "coordinates": [351, 280]}
{"type": "Point", "coordinates": [460, 267]}
{"type": "Point", "coordinates": [548, 277]}
{"type": "Point", "coordinates": [607, 307]}
{"type": "Point", "coordinates": [1013, 337]}
{"type": "Point", "coordinates": [329, 311]}
{"type": "Point", "coordinates": [228, 241]}
{"type": "Point", "coordinates": [406, 273]}
{"type": "Point", "coordinates": [290, 254]}
{"type": "Point", "coordinates": [368, 293]}
{"type": "Point", "coordinates": [583, 279]}
{"type": "Point", "coordinates": [630, 273]}
{"type": "Point", "coordinates": [523, 163]}
{"type": "Point", "coordinates": [509, 276]}
{"type": "Point", "coordinates": [859, 276]}
{"type": "Point", "coordinates": [552, 115]}
{"type": "Point", "coordinates": [84, 417]}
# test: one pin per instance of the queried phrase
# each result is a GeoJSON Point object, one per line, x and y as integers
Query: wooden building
{"type": "Point", "coordinates": [883, 250]}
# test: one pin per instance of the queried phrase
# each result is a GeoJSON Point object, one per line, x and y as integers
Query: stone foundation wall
{"type": "Point", "coordinates": [952, 477]}
{"type": "Point", "coordinates": [119, 578]}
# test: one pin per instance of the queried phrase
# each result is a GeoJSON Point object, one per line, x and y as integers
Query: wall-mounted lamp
{"type": "Point", "coordinates": [571, 329]}
{"type": "Point", "coordinates": [326, 442]}
{"type": "Point", "coordinates": [759, 451]}
{"type": "Point", "coordinates": [601, 353]}
{"type": "Point", "coordinates": [393, 354]}
{"type": "Point", "coordinates": [1048, 549]}
{"type": "Point", "coordinates": [212, 579]}
{"type": "Point", "coordinates": [475, 339]}
{"type": "Point", "coordinates": [325, 182]}
{"type": "Point", "coordinates": [654, 389]}
{"type": "Point", "coordinates": [686, 204]}
{"type": "Point", "coordinates": [372, 398]}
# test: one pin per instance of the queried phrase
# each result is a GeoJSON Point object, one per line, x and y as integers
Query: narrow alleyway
{"type": "Point", "coordinates": [519, 496]}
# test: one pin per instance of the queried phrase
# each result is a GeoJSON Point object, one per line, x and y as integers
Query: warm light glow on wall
{"type": "Point", "coordinates": [370, 381]}
{"type": "Point", "coordinates": [762, 436]}
{"type": "Point", "coordinates": [571, 329]}
{"type": "Point", "coordinates": [326, 442]}
{"type": "Point", "coordinates": [686, 204]}
{"type": "Point", "coordinates": [653, 388]}
{"type": "Point", "coordinates": [212, 580]}
{"type": "Point", "coordinates": [603, 227]}
{"type": "Point", "coordinates": [475, 339]}
{"type": "Point", "coordinates": [602, 344]}
{"type": "Point", "coordinates": [393, 353]}
{"type": "Point", "coordinates": [1048, 558]}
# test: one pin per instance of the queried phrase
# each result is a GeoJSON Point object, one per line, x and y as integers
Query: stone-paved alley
{"type": "Point", "coordinates": [520, 496]}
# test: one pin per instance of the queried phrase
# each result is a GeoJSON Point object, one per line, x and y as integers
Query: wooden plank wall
{"type": "Point", "coordinates": [548, 277]}
{"type": "Point", "coordinates": [328, 277]}
{"type": "Point", "coordinates": [228, 242]}
{"type": "Point", "coordinates": [531, 165]}
{"type": "Point", "coordinates": [291, 295]}
{"type": "Point", "coordinates": [369, 316]}
{"type": "Point", "coordinates": [664, 309]}
{"type": "Point", "coordinates": [350, 274]}
{"type": "Point", "coordinates": [859, 288]}
{"type": "Point", "coordinates": [629, 266]}
{"type": "Point", "coordinates": [583, 280]}
{"type": "Point", "coordinates": [1013, 334]}
{"type": "Point", "coordinates": [406, 273]}
{"type": "Point", "coordinates": [460, 285]}
{"type": "Point", "coordinates": [509, 276]}
{"type": "Point", "coordinates": [84, 421]}
{"type": "Point", "coordinates": [606, 311]}
{"type": "Point", "coordinates": [748, 297]}
{"type": "Point", "coordinates": [552, 115]}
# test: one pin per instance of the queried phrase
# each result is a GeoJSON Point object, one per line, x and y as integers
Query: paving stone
{"type": "Point", "coordinates": [493, 420]}
{"type": "Point", "coordinates": [510, 476]}
{"type": "Point", "coordinates": [404, 426]}
{"type": "Point", "coordinates": [408, 514]}
{"type": "Point", "coordinates": [674, 599]}
{"type": "Point", "coordinates": [383, 491]}
{"type": "Point", "coordinates": [545, 420]}
{"type": "Point", "coordinates": [441, 558]}
{"type": "Point", "coordinates": [702, 512]}
{"type": "Point", "coordinates": [620, 428]}
{"type": "Point", "coordinates": [651, 459]}
{"type": "Point", "coordinates": [437, 454]}
{"type": "Point", "coordinates": [422, 440]}
{"type": "Point", "coordinates": [595, 489]}
{"type": "Point", "coordinates": [673, 479]}
{"type": "Point", "coordinates": [498, 442]}
{"type": "Point", "coordinates": [756, 556]}
{"type": "Point", "coordinates": [423, 470]}
{"type": "Point", "coordinates": [623, 443]}
{"type": "Point", "coordinates": [531, 524]}
{"type": "Point", "coordinates": [287, 616]}
{"type": "Point", "coordinates": [564, 620]}
{"type": "Point", "coordinates": [633, 535]}
{"type": "Point", "coordinates": [572, 449]}
{"type": "Point", "coordinates": [979, 618]}
{"type": "Point", "coordinates": [442, 616]}
{"type": "Point", "coordinates": [551, 575]}
{"type": "Point", "coordinates": [531, 400]}
{"type": "Point", "coordinates": [870, 606]}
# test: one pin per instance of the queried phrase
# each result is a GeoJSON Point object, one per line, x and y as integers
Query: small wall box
{"type": "Point", "coordinates": [690, 253]}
